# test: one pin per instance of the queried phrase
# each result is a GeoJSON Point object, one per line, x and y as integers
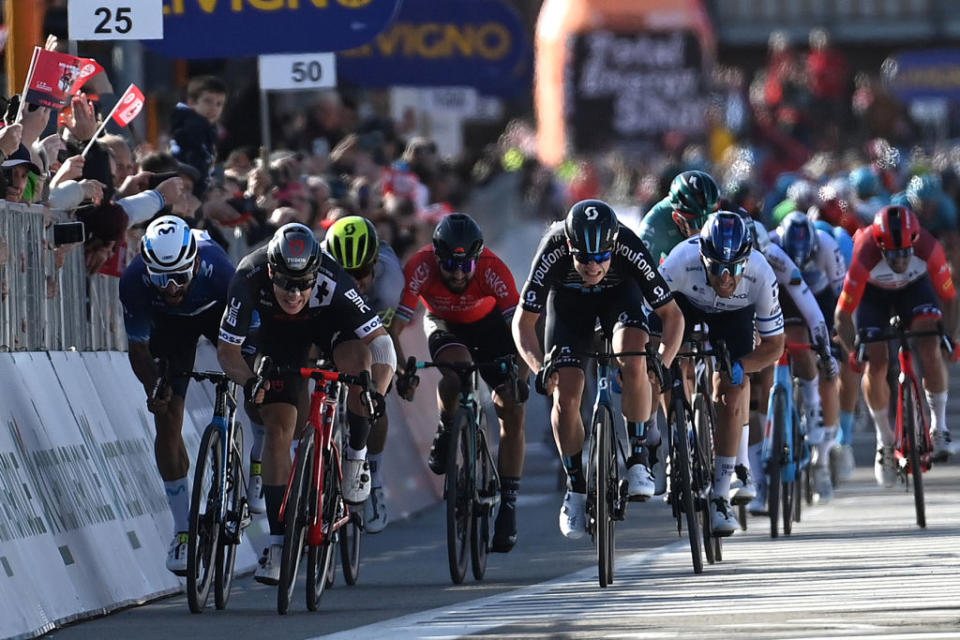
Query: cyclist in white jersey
{"type": "Point", "coordinates": [818, 256]}
{"type": "Point", "coordinates": [717, 279]}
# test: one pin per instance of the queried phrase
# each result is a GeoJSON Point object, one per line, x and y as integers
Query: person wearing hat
{"type": "Point", "coordinates": [16, 169]}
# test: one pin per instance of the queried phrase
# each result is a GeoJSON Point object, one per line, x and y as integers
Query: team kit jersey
{"type": "Point", "coordinates": [553, 268]}
{"type": "Point", "coordinates": [384, 293]}
{"type": "Point", "coordinates": [868, 267]}
{"type": "Point", "coordinates": [144, 305]}
{"type": "Point", "coordinates": [792, 283]}
{"type": "Point", "coordinates": [491, 287]}
{"type": "Point", "coordinates": [335, 306]}
{"type": "Point", "coordinates": [659, 232]}
{"type": "Point", "coordinates": [826, 269]}
{"type": "Point", "coordinates": [684, 272]}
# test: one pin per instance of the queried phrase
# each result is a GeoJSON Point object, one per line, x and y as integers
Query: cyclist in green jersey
{"type": "Point", "coordinates": [693, 196]}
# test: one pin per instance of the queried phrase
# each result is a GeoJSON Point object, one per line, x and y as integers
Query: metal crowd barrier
{"type": "Point", "coordinates": [43, 308]}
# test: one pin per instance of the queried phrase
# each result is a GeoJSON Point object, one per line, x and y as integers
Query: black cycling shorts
{"type": "Point", "coordinates": [174, 338]}
{"type": "Point", "coordinates": [878, 305]}
{"type": "Point", "coordinates": [572, 318]}
{"type": "Point", "coordinates": [735, 327]}
{"type": "Point", "coordinates": [486, 339]}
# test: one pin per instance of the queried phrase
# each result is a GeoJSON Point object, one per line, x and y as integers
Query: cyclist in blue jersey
{"type": "Point", "coordinates": [172, 293]}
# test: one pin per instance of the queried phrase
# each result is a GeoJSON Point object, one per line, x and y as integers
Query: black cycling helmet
{"type": "Point", "coordinates": [694, 195]}
{"type": "Point", "coordinates": [591, 227]}
{"type": "Point", "coordinates": [726, 239]}
{"type": "Point", "coordinates": [457, 237]}
{"type": "Point", "coordinates": [294, 251]}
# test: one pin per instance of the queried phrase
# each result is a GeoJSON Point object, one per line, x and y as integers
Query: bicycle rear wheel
{"type": "Point", "coordinates": [204, 530]}
{"type": "Point", "coordinates": [607, 483]}
{"type": "Point", "coordinates": [459, 503]}
{"type": "Point", "coordinates": [231, 529]}
{"type": "Point", "coordinates": [318, 556]}
{"type": "Point", "coordinates": [681, 456]}
{"type": "Point", "coordinates": [775, 488]}
{"type": "Point", "coordinates": [296, 515]}
{"type": "Point", "coordinates": [486, 483]}
{"type": "Point", "coordinates": [912, 427]}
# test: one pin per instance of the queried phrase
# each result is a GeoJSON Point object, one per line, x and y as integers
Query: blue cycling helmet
{"type": "Point", "coordinates": [798, 237]}
{"type": "Point", "coordinates": [864, 182]}
{"type": "Point", "coordinates": [725, 239]}
{"type": "Point", "coordinates": [923, 189]}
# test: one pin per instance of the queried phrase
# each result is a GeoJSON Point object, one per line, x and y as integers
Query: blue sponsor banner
{"type": "Point", "coordinates": [237, 28]}
{"type": "Point", "coordinates": [466, 43]}
{"type": "Point", "coordinates": [926, 73]}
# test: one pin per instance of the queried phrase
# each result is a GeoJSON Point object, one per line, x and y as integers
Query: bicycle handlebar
{"type": "Point", "coordinates": [503, 364]}
{"type": "Point", "coordinates": [897, 331]}
{"type": "Point", "coordinates": [362, 380]}
{"type": "Point", "coordinates": [719, 351]}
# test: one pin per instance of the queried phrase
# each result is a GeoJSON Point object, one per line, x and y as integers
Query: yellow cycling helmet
{"type": "Point", "coordinates": [353, 242]}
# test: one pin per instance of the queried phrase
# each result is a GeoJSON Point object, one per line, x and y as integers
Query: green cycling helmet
{"type": "Point", "coordinates": [353, 243]}
{"type": "Point", "coordinates": [694, 195]}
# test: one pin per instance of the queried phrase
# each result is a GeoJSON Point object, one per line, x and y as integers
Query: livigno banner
{"type": "Point", "coordinates": [465, 43]}
{"type": "Point", "coordinates": [233, 28]}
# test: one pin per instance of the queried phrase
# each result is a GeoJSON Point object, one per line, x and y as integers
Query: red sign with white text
{"type": "Point", "coordinates": [56, 77]}
{"type": "Point", "coordinates": [130, 105]}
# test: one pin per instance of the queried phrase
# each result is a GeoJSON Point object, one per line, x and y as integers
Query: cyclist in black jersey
{"type": "Point", "coordinates": [590, 267]}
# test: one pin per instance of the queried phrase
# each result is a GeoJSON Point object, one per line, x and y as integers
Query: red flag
{"type": "Point", "coordinates": [57, 76]}
{"type": "Point", "coordinates": [129, 106]}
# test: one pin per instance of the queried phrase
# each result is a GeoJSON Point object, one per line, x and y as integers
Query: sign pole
{"type": "Point", "coordinates": [265, 120]}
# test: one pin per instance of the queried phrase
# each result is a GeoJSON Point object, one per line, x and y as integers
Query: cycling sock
{"type": "Point", "coordinates": [882, 423]}
{"type": "Point", "coordinates": [652, 430]}
{"type": "Point", "coordinates": [509, 488]}
{"type": "Point", "coordinates": [256, 449]}
{"type": "Point", "coordinates": [359, 430]}
{"type": "Point", "coordinates": [846, 427]}
{"type": "Point", "coordinates": [755, 455]}
{"type": "Point", "coordinates": [273, 496]}
{"type": "Point", "coordinates": [178, 497]}
{"type": "Point", "coordinates": [356, 454]}
{"type": "Point", "coordinates": [637, 431]}
{"type": "Point", "coordinates": [742, 452]}
{"type": "Point", "coordinates": [938, 410]}
{"type": "Point", "coordinates": [829, 439]}
{"type": "Point", "coordinates": [723, 475]}
{"type": "Point", "coordinates": [375, 460]}
{"type": "Point", "coordinates": [810, 390]}
{"type": "Point", "coordinates": [574, 467]}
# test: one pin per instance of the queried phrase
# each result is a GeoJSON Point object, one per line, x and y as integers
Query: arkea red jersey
{"type": "Point", "coordinates": [867, 266]}
{"type": "Point", "coordinates": [492, 286]}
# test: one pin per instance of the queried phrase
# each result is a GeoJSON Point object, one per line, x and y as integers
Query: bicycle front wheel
{"type": "Point", "coordinates": [775, 487]}
{"type": "Point", "coordinates": [204, 528]}
{"type": "Point", "coordinates": [702, 475]}
{"type": "Point", "coordinates": [459, 503]}
{"type": "Point", "coordinates": [297, 514]}
{"type": "Point", "coordinates": [485, 480]}
{"type": "Point", "coordinates": [231, 529]}
{"type": "Point", "coordinates": [681, 449]}
{"type": "Point", "coordinates": [606, 487]}
{"type": "Point", "coordinates": [913, 429]}
{"type": "Point", "coordinates": [318, 556]}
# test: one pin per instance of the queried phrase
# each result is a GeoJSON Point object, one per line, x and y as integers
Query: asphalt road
{"type": "Point", "coordinates": [858, 567]}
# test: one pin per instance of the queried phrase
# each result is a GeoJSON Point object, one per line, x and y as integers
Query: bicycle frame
{"type": "Point", "coordinates": [324, 402]}
{"type": "Point", "coordinates": [783, 379]}
{"type": "Point", "coordinates": [224, 417]}
{"type": "Point", "coordinates": [908, 376]}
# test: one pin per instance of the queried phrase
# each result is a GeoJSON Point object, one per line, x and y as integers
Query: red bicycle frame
{"type": "Point", "coordinates": [908, 376]}
{"type": "Point", "coordinates": [322, 416]}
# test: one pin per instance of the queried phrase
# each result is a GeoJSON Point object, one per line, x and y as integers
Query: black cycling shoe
{"type": "Point", "coordinates": [438, 452]}
{"type": "Point", "coordinates": [505, 529]}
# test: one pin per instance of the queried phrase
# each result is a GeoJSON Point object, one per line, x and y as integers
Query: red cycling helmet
{"type": "Point", "coordinates": [895, 228]}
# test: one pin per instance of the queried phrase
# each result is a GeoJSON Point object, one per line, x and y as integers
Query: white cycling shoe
{"type": "Point", "coordinates": [268, 567]}
{"type": "Point", "coordinates": [640, 482]}
{"type": "Point", "coordinates": [943, 445]}
{"type": "Point", "coordinates": [841, 460]}
{"type": "Point", "coordinates": [722, 518]}
{"type": "Point", "coordinates": [822, 484]}
{"type": "Point", "coordinates": [356, 480]}
{"type": "Point", "coordinates": [255, 500]}
{"type": "Point", "coordinates": [177, 554]}
{"type": "Point", "coordinates": [885, 466]}
{"type": "Point", "coordinates": [573, 515]}
{"type": "Point", "coordinates": [743, 489]}
{"type": "Point", "coordinates": [375, 516]}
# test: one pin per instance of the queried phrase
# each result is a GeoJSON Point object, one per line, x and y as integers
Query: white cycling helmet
{"type": "Point", "coordinates": [168, 246]}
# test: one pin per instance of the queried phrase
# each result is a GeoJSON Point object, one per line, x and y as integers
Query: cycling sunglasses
{"type": "Point", "coordinates": [584, 257]}
{"type": "Point", "coordinates": [180, 279]}
{"type": "Point", "coordinates": [897, 254]}
{"type": "Point", "coordinates": [717, 268]}
{"type": "Point", "coordinates": [452, 265]}
{"type": "Point", "coordinates": [294, 284]}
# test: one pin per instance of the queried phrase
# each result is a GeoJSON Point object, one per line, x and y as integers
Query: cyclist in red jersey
{"type": "Point", "coordinates": [898, 267]}
{"type": "Point", "coordinates": [470, 296]}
